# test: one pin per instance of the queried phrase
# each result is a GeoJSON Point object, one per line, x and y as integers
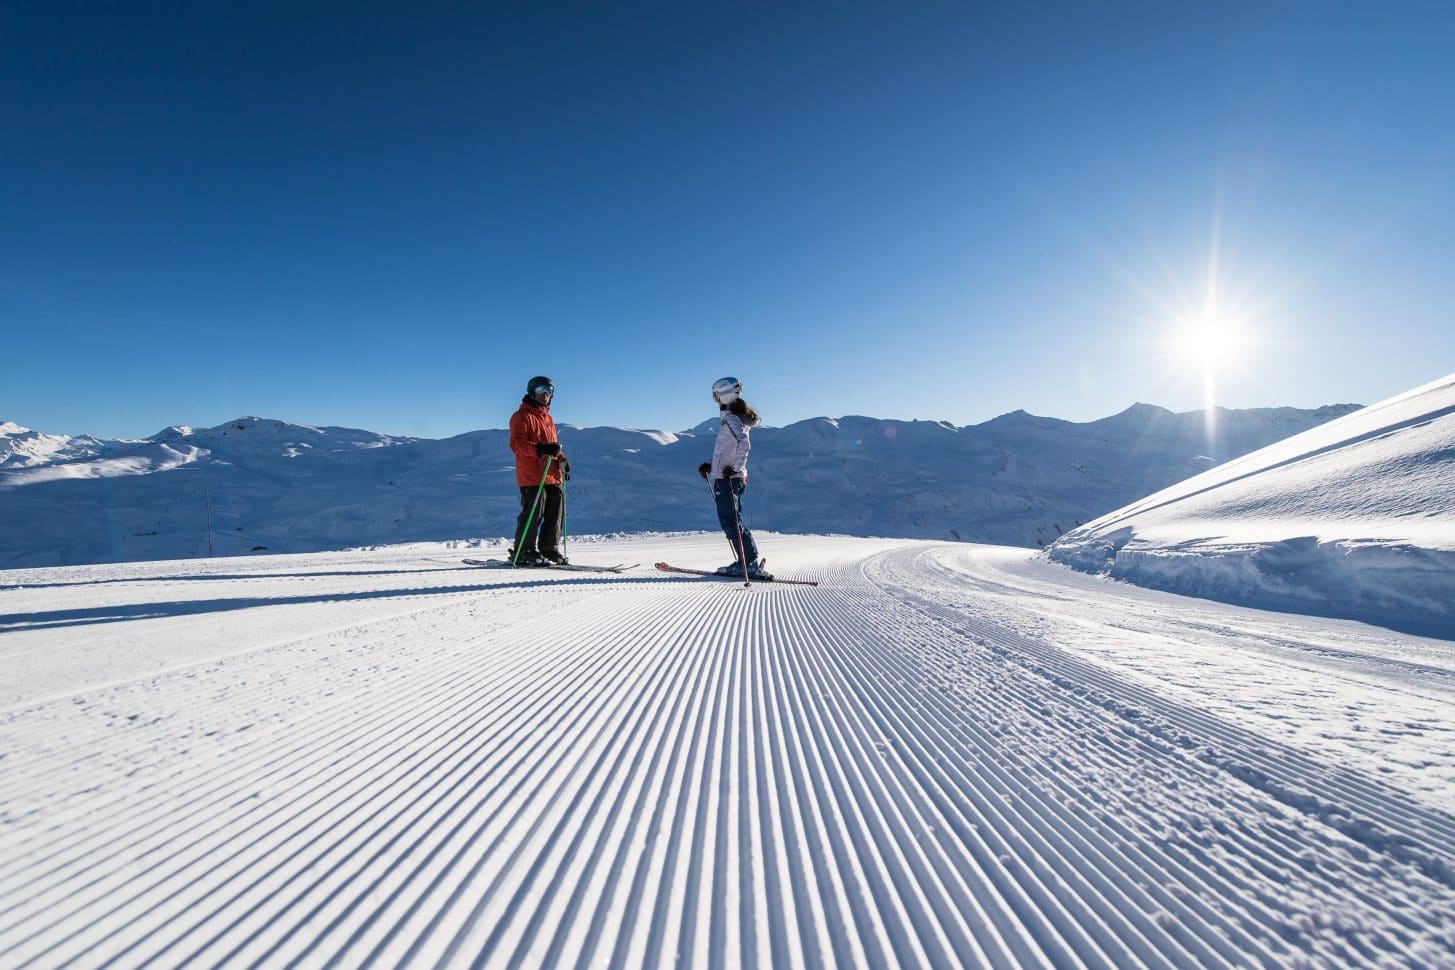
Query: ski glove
{"type": "Point", "coordinates": [544, 448]}
{"type": "Point", "coordinates": [704, 469]}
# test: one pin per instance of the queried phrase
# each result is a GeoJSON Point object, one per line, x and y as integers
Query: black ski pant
{"type": "Point", "coordinates": [543, 533]}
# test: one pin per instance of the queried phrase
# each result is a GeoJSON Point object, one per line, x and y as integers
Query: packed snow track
{"type": "Point", "coordinates": [943, 756]}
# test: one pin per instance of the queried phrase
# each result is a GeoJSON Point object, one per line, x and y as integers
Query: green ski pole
{"type": "Point", "coordinates": [520, 539]}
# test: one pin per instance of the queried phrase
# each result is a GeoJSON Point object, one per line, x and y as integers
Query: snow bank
{"type": "Point", "coordinates": [1354, 518]}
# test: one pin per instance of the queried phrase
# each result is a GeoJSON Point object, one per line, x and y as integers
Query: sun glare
{"type": "Point", "coordinates": [1212, 326]}
{"type": "Point", "coordinates": [1208, 342]}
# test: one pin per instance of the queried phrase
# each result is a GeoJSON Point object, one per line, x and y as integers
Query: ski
{"type": "Point", "coordinates": [668, 568]}
{"type": "Point", "coordinates": [568, 567]}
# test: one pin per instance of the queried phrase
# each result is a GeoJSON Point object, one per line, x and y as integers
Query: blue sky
{"type": "Point", "coordinates": [389, 217]}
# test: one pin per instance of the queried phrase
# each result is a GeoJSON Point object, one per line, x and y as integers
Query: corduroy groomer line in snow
{"type": "Point", "coordinates": [945, 755]}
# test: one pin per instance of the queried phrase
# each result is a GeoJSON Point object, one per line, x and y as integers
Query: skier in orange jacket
{"type": "Point", "coordinates": [533, 439]}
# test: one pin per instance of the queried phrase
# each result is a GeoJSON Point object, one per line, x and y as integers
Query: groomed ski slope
{"type": "Point", "coordinates": [945, 755]}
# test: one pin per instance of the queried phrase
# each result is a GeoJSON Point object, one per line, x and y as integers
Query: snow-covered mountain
{"type": "Point", "coordinates": [1354, 518]}
{"type": "Point", "coordinates": [21, 447]}
{"type": "Point", "coordinates": [255, 484]}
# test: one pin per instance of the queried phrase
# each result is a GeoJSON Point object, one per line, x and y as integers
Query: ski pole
{"type": "Point", "coordinates": [520, 539]}
{"type": "Point", "coordinates": [742, 553]}
{"type": "Point", "coordinates": [738, 519]}
{"type": "Point", "coordinates": [564, 479]}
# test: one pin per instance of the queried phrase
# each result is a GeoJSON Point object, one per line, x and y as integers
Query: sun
{"type": "Point", "coordinates": [1208, 341]}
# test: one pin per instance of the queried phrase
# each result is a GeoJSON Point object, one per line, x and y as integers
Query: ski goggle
{"type": "Point", "coordinates": [547, 389]}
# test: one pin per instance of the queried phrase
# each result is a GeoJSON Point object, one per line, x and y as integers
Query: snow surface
{"type": "Point", "coordinates": [255, 485]}
{"type": "Point", "coordinates": [1353, 518]}
{"type": "Point", "coordinates": [944, 755]}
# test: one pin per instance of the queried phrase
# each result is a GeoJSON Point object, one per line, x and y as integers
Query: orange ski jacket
{"type": "Point", "coordinates": [531, 425]}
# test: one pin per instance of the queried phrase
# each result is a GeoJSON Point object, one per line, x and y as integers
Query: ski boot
{"type": "Point", "coordinates": [555, 556]}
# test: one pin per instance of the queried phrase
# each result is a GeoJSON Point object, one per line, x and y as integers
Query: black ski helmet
{"type": "Point", "coordinates": [539, 385]}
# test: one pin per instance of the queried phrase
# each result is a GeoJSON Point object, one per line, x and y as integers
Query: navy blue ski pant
{"type": "Point", "coordinates": [728, 494]}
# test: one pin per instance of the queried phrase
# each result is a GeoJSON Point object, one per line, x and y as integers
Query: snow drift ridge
{"type": "Point", "coordinates": [1354, 518]}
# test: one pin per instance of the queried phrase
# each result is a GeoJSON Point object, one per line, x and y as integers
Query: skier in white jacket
{"type": "Point", "coordinates": [728, 475]}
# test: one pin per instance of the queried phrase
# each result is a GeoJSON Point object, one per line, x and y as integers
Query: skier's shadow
{"type": "Point", "coordinates": [56, 619]}
{"type": "Point", "coordinates": [221, 577]}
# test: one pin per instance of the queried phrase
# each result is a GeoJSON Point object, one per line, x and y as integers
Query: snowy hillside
{"type": "Point", "coordinates": [1355, 518]}
{"type": "Point", "coordinates": [22, 447]}
{"type": "Point", "coordinates": [254, 485]}
{"type": "Point", "coordinates": [945, 755]}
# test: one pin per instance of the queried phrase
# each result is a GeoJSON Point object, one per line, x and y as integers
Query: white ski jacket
{"type": "Point", "coordinates": [732, 446]}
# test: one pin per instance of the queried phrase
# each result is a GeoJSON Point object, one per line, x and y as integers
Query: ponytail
{"type": "Point", "coordinates": [745, 411]}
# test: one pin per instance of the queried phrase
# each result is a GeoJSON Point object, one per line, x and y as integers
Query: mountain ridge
{"type": "Point", "coordinates": [255, 484]}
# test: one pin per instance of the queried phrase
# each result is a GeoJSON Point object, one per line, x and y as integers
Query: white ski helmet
{"type": "Point", "coordinates": [727, 390]}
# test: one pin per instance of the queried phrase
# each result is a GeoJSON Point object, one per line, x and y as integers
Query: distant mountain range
{"type": "Point", "coordinates": [255, 484]}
